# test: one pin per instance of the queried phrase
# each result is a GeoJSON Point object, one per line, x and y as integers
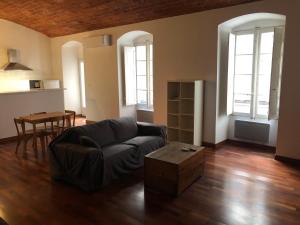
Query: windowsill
{"type": "Point", "coordinates": [247, 118]}
{"type": "Point", "coordinates": [144, 109]}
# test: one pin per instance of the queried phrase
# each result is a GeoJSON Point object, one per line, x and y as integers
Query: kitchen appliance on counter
{"type": "Point", "coordinates": [44, 84]}
{"type": "Point", "coordinates": [35, 84]}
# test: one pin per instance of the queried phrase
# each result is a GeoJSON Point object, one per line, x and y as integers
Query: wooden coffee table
{"type": "Point", "coordinates": [171, 170]}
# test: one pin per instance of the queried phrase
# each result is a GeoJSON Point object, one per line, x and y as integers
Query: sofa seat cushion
{"type": "Point", "coordinates": [113, 150]}
{"type": "Point", "coordinates": [124, 128]}
{"type": "Point", "coordinates": [118, 160]}
{"type": "Point", "coordinates": [146, 144]}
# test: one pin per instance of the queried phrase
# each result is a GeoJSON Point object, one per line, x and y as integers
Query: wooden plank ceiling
{"type": "Point", "coordinates": [62, 17]}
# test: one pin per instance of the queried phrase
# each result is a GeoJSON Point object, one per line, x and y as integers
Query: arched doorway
{"type": "Point", "coordinates": [73, 77]}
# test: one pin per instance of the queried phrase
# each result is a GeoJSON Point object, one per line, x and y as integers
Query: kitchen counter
{"type": "Point", "coordinates": [30, 91]}
{"type": "Point", "coordinates": [20, 103]}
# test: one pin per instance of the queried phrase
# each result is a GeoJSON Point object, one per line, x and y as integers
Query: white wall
{"type": "Point", "coordinates": [186, 48]}
{"type": "Point", "coordinates": [288, 126]}
{"type": "Point", "coordinates": [101, 83]}
{"type": "Point", "coordinates": [71, 53]}
{"type": "Point", "coordinates": [35, 51]}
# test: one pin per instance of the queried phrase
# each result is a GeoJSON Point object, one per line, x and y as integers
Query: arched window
{"type": "Point", "coordinates": [138, 70]}
{"type": "Point", "coordinates": [254, 67]}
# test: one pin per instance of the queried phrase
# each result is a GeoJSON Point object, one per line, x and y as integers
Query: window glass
{"type": "Point", "coordinates": [142, 97]}
{"type": "Point", "coordinates": [243, 84]}
{"type": "Point", "coordinates": [263, 95]}
{"type": "Point", "coordinates": [244, 44]}
{"type": "Point", "coordinates": [243, 64]}
{"type": "Point", "coordinates": [82, 84]}
{"type": "Point", "coordinates": [141, 67]}
{"type": "Point", "coordinates": [265, 64]}
{"type": "Point", "coordinates": [264, 85]}
{"type": "Point", "coordinates": [267, 40]}
{"type": "Point", "coordinates": [242, 103]}
{"type": "Point", "coordinates": [141, 52]}
{"type": "Point", "coordinates": [262, 105]}
{"type": "Point", "coordinates": [142, 82]}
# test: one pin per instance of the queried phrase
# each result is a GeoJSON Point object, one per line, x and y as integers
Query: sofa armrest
{"type": "Point", "coordinates": [73, 149]}
{"type": "Point", "coordinates": [74, 161]}
{"type": "Point", "coordinates": [150, 129]}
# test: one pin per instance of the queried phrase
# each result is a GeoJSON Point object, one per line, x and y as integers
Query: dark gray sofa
{"type": "Point", "coordinates": [93, 155]}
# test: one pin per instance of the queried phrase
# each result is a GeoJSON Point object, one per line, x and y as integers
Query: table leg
{"type": "Point", "coordinates": [42, 140]}
{"type": "Point", "coordinates": [34, 139]}
{"type": "Point", "coordinates": [26, 139]}
{"type": "Point", "coordinates": [69, 121]}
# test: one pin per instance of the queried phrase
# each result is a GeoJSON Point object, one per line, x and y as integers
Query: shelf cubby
{"type": "Point", "coordinates": [173, 107]}
{"type": "Point", "coordinates": [186, 137]}
{"type": "Point", "coordinates": [173, 91]}
{"type": "Point", "coordinates": [187, 90]}
{"type": "Point", "coordinates": [186, 107]}
{"type": "Point", "coordinates": [186, 122]}
{"type": "Point", "coordinates": [173, 134]}
{"type": "Point", "coordinates": [173, 120]}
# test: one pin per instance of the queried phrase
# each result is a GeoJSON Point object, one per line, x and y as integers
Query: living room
{"type": "Point", "coordinates": [178, 68]}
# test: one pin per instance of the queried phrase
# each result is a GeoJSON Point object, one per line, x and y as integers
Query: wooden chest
{"type": "Point", "coordinates": [171, 170]}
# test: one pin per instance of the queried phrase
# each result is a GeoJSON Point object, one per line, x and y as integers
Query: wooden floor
{"type": "Point", "coordinates": [240, 186]}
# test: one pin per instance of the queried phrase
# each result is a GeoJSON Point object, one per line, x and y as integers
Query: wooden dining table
{"type": "Point", "coordinates": [41, 118]}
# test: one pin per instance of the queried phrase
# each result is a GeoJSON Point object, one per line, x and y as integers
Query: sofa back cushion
{"type": "Point", "coordinates": [88, 142]}
{"type": "Point", "coordinates": [124, 128]}
{"type": "Point", "coordinates": [101, 132]}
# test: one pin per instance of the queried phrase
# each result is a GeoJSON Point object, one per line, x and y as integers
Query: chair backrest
{"type": "Point", "coordinates": [38, 113]}
{"type": "Point", "coordinates": [73, 113]}
{"type": "Point", "coordinates": [57, 122]}
{"type": "Point", "coordinates": [20, 126]}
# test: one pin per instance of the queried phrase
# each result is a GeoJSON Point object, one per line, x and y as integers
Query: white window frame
{"type": "Point", "coordinates": [148, 105]}
{"type": "Point", "coordinates": [257, 32]}
{"type": "Point", "coordinates": [82, 84]}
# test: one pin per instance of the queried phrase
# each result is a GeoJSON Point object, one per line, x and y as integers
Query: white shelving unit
{"type": "Point", "coordinates": [185, 111]}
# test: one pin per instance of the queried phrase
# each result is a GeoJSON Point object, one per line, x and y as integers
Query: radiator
{"type": "Point", "coordinates": [252, 131]}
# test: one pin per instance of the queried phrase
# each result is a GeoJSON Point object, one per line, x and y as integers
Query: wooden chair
{"type": "Point", "coordinates": [69, 120]}
{"type": "Point", "coordinates": [44, 127]}
{"type": "Point", "coordinates": [25, 135]}
{"type": "Point", "coordinates": [73, 116]}
{"type": "Point", "coordinates": [57, 125]}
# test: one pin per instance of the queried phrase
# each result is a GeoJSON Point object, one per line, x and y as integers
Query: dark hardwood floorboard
{"type": "Point", "coordinates": [240, 186]}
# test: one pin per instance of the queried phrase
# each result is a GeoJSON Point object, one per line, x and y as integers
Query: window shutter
{"type": "Point", "coordinates": [230, 76]}
{"type": "Point", "coordinates": [276, 73]}
{"type": "Point", "coordinates": [130, 74]}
